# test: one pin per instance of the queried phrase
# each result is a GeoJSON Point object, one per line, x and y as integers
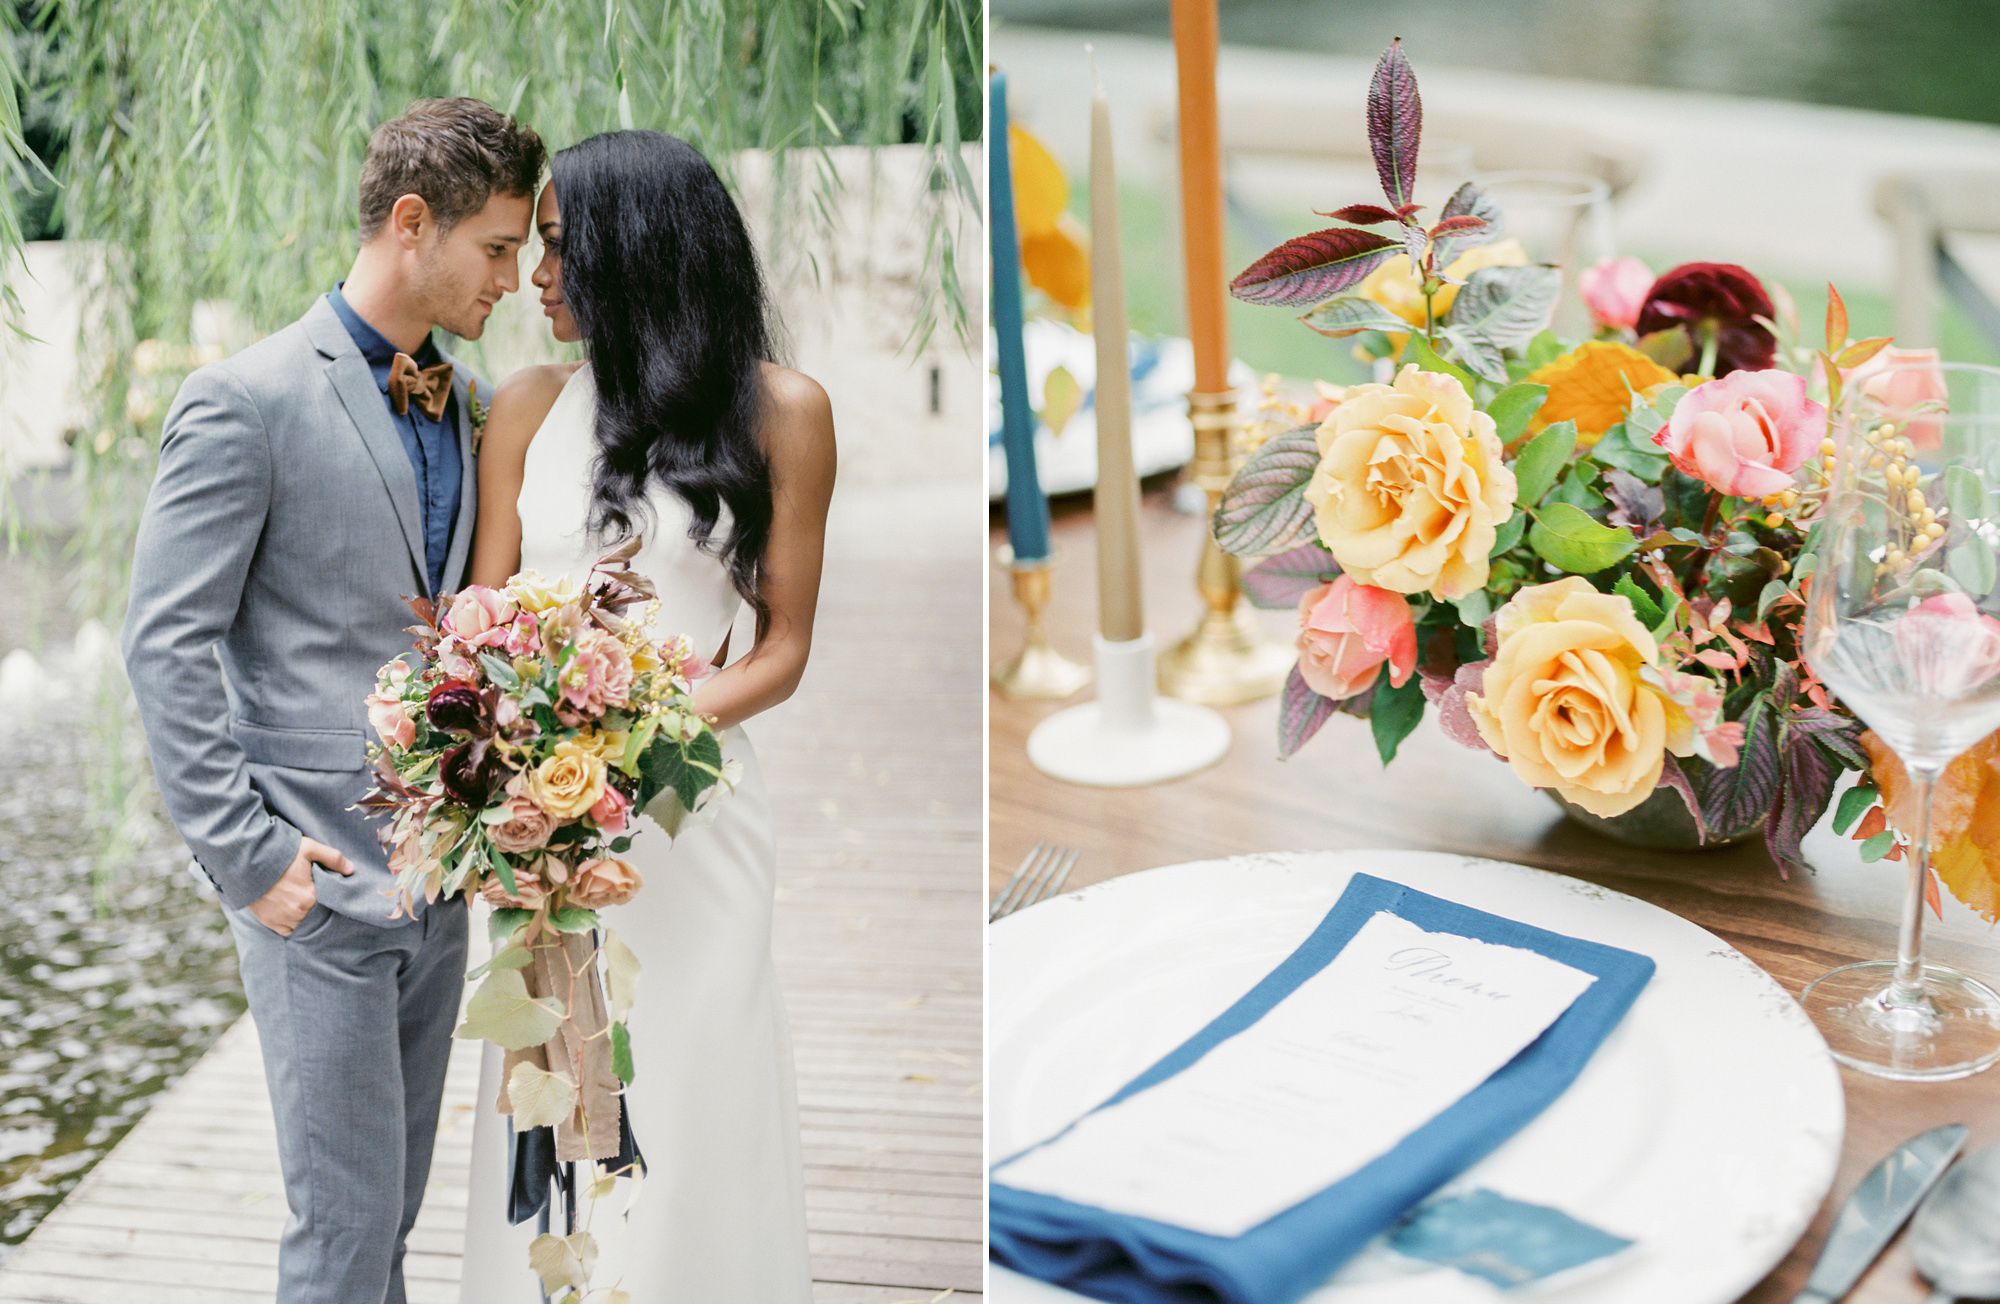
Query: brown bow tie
{"type": "Point", "coordinates": [429, 386]}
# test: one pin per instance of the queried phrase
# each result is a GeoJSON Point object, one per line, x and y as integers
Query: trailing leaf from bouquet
{"type": "Point", "coordinates": [1309, 268]}
{"type": "Point", "coordinates": [1264, 509]}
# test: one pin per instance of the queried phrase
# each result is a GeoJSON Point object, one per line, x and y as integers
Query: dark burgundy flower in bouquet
{"type": "Point", "coordinates": [471, 773]}
{"type": "Point", "coordinates": [1704, 301]}
{"type": "Point", "coordinates": [458, 707]}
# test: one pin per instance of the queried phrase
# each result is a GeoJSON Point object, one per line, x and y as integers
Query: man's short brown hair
{"type": "Point", "coordinates": [456, 154]}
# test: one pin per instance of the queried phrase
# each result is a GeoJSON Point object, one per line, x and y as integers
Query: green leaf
{"type": "Point", "coordinates": [1567, 538]}
{"type": "Point", "coordinates": [689, 768]}
{"type": "Point", "coordinates": [1351, 315]}
{"type": "Point", "coordinates": [1620, 448]}
{"type": "Point", "coordinates": [573, 919]}
{"type": "Point", "coordinates": [1541, 461]}
{"type": "Point", "coordinates": [1769, 598]}
{"type": "Point", "coordinates": [1669, 399]}
{"type": "Point", "coordinates": [619, 846]}
{"type": "Point", "coordinates": [1474, 608]}
{"type": "Point", "coordinates": [1878, 846]}
{"type": "Point", "coordinates": [1514, 407]}
{"type": "Point", "coordinates": [1542, 350]}
{"type": "Point", "coordinates": [507, 922]}
{"type": "Point", "coordinates": [621, 1053]}
{"type": "Point", "coordinates": [1971, 563]}
{"type": "Point", "coordinates": [514, 957]}
{"type": "Point", "coordinates": [621, 973]}
{"type": "Point", "coordinates": [500, 672]}
{"type": "Point", "coordinates": [1508, 533]}
{"type": "Point", "coordinates": [1648, 611]}
{"type": "Point", "coordinates": [502, 1012]}
{"type": "Point", "coordinates": [1264, 510]}
{"type": "Point", "coordinates": [1418, 350]}
{"type": "Point", "coordinates": [1966, 494]}
{"type": "Point", "coordinates": [539, 1098]}
{"type": "Point", "coordinates": [1476, 353]}
{"type": "Point", "coordinates": [1854, 803]}
{"type": "Point", "coordinates": [1506, 305]}
{"type": "Point", "coordinates": [1395, 713]}
{"type": "Point", "coordinates": [1578, 489]}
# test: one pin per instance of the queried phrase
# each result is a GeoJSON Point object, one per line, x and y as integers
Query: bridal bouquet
{"type": "Point", "coordinates": [534, 721]}
{"type": "Point", "coordinates": [1589, 558]}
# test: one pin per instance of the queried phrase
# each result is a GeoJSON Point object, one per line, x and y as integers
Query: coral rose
{"type": "Point", "coordinates": [391, 720]}
{"type": "Point", "coordinates": [1906, 383]}
{"type": "Point", "coordinates": [569, 782]}
{"type": "Point", "coordinates": [609, 814]}
{"type": "Point", "coordinates": [1410, 488]}
{"type": "Point", "coordinates": [1346, 632]}
{"type": "Point", "coordinates": [1564, 700]}
{"type": "Point", "coordinates": [604, 882]}
{"type": "Point", "coordinates": [521, 826]}
{"type": "Point", "coordinates": [529, 891]}
{"type": "Point", "coordinates": [1615, 290]}
{"type": "Point", "coordinates": [1746, 433]}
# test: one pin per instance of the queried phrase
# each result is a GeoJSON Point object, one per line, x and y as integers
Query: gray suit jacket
{"type": "Point", "coordinates": [279, 541]}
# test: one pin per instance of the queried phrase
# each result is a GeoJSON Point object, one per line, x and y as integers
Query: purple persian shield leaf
{"type": "Point", "coordinates": [1264, 510]}
{"type": "Point", "coordinates": [1838, 735]}
{"type": "Point", "coordinates": [1416, 244]}
{"type": "Point", "coordinates": [1309, 268]}
{"type": "Point", "coordinates": [1735, 798]}
{"type": "Point", "coordinates": [1279, 581]}
{"type": "Point", "coordinates": [1467, 201]}
{"type": "Point", "coordinates": [1351, 315]}
{"type": "Point", "coordinates": [1506, 305]}
{"type": "Point", "coordinates": [1301, 712]}
{"type": "Point", "coordinates": [1361, 214]}
{"type": "Point", "coordinates": [1806, 788]}
{"type": "Point", "coordinates": [1673, 776]}
{"type": "Point", "coordinates": [1395, 121]}
{"type": "Point", "coordinates": [1448, 697]}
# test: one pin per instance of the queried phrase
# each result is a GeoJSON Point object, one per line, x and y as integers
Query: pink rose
{"type": "Point", "coordinates": [1948, 647]}
{"type": "Point", "coordinates": [599, 675]}
{"type": "Point", "coordinates": [1746, 433]}
{"type": "Point", "coordinates": [610, 811]}
{"type": "Point", "coordinates": [1346, 632]}
{"type": "Point", "coordinates": [1615, 290]}
{"type": "Point", "coordinates": [397, 672]}
{"type": "Point", "coordinates": [1903, 381]}
{"type": "Point", "coordinates": [391, 720]}
{"type": "Point", "coordinates": [601, 883]}
{"type": "Point", "coordinates": [480, 616]}
{"type": "Point", "coordinates": [528, 894]}
{"type": "Point", "coordinates": [526, 826]}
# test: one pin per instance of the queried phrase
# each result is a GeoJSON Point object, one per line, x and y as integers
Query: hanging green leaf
{"type": "Point", "coordinates": [1542, 461]}
{"type": "Point", "coordinates": [1569, 539]}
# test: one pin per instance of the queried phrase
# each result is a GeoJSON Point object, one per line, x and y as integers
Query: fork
{"type": "Point", "coordinates": [1041, 875]}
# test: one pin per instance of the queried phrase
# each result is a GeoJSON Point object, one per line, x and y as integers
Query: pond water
{"type": "Point", "coordinates": [116, 972]}
{"type": "Point", "coordinates": [1936, 58]}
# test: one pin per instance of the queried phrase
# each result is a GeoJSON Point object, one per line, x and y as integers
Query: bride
{"type": "Point", "coordinates": [679, 429]}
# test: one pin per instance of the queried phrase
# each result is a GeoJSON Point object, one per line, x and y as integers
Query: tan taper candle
{"type": "Point", "coordinates": [1120, 612]}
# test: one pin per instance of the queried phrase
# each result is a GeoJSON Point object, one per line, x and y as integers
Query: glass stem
{"type": "Point", "coordinates": [1907, 988]}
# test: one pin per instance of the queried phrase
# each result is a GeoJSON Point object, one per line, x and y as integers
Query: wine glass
{"type": "Point", "coordinates": [1900, 623]}
{"type": "Point", "coordinates": [1562, 218]}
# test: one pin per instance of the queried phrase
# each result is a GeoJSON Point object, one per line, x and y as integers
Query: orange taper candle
{"type": "Point", "coordinates": [1196, 33]}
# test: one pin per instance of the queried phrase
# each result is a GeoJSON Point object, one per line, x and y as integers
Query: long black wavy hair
{"type": "Point", "coordinates": [660, 276]}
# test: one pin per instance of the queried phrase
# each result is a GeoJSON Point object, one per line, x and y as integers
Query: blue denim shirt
{"type": "Point", "coordinates": [432, 445]}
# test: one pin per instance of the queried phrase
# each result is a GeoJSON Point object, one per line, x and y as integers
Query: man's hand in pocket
{"type": "Point", "coordinates": [281, 908]}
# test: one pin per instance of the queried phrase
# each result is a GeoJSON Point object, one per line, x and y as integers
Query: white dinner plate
{"type": "Point", "coordinates": [1707, 1127]}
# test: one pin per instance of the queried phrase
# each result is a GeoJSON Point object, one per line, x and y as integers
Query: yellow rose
{"type": "Point", "coordinates": [1410, 488]}
{"type": "Point", "coordinates": [1564, 703]}
{"type": "Point", "coordinates": [1396, 286]}
{"type": "Point", "coordinates": [533, 591]}
{"type": "Point", "coordinates": [569, 782]}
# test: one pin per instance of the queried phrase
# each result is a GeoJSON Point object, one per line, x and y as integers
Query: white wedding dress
{"type": "Point", "coordinates": [720, 1217]}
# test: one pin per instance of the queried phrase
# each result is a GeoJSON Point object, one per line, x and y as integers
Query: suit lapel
{"type": "Point", "coordinates": [348, 372]}
{"type": "Point", "coordinates": [468, 482]}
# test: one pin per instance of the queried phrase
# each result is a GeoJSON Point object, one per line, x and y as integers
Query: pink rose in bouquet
{"type": "Point", "coordinates": [1615, 290]}
{"type": "Point", "coordinates": [480, 616]}
{"type": "Point", "coordinates": [525, 828]}
{"type": "Point", "coordinates": [1906, 383]}
{"type": "Point", "coordinates": [609, 814]}
{"type": "Point", "coordinates": [1746, 433]}
{"type": "Point", "coordinates": [390, 719]}
{"type": "Point", "coordinates": [1947, 645]}
{"type": "Point", "coordinates": [603, 882]}
{"type": "Point", "coordinates": [1347, 631]}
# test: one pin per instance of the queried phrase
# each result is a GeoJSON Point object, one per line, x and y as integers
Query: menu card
{"type": "Point", "coordinates": [1394, 1030]}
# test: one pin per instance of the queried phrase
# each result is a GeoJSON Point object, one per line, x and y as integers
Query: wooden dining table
{"type": "Point", "coordinates": [1335, 794]}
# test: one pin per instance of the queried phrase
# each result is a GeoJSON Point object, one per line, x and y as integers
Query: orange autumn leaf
{"type": "Point", "coordinates": [1058, 262]}
{"type": "Point", "coordinates": [1041, 193]}
{"type": "Point", "coordinates": [1592, 386]}
{"type": "Point", "coordinates": [1965, 818]}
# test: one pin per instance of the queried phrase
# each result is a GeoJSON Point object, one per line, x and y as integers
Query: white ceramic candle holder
{"type": "Point", "coordinates": [1130, 736]}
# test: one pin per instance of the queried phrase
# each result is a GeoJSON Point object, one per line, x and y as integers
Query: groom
{"type": "Point", "coordinates": [306, 486]}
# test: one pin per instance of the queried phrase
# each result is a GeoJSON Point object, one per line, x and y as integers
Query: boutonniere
{"type": "Point", "coordinates": [479, 412]}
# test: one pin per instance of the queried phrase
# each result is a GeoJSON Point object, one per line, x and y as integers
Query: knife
{"type": "Point", "coordinates": [1878, 1209]}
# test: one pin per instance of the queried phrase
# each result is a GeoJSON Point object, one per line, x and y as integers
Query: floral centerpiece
{"type": "Point", "coordinates": [534, 721]}
{"type": "Point", "coordinates": [1591, 558]}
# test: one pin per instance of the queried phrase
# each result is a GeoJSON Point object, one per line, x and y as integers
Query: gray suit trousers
{"type": "Point", "coordinates": [355, 1022]}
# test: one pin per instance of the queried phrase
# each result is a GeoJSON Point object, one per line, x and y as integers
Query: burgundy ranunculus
{"type": "Point", "coordinates": [1719, 297]}
{"type": "Point", "coordinates": [471, 773]}
{"type": "Point", "coordinates": [457, 707]}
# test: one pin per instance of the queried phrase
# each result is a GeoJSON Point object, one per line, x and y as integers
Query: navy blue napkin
{"type": "Point", "coordinates": [1133, 1260]}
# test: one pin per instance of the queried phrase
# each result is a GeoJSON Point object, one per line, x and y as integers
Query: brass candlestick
{"type": "Point", "coordinates": [1226, 660]}
{"type": "Point", "coordinates": [1039, 671]}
